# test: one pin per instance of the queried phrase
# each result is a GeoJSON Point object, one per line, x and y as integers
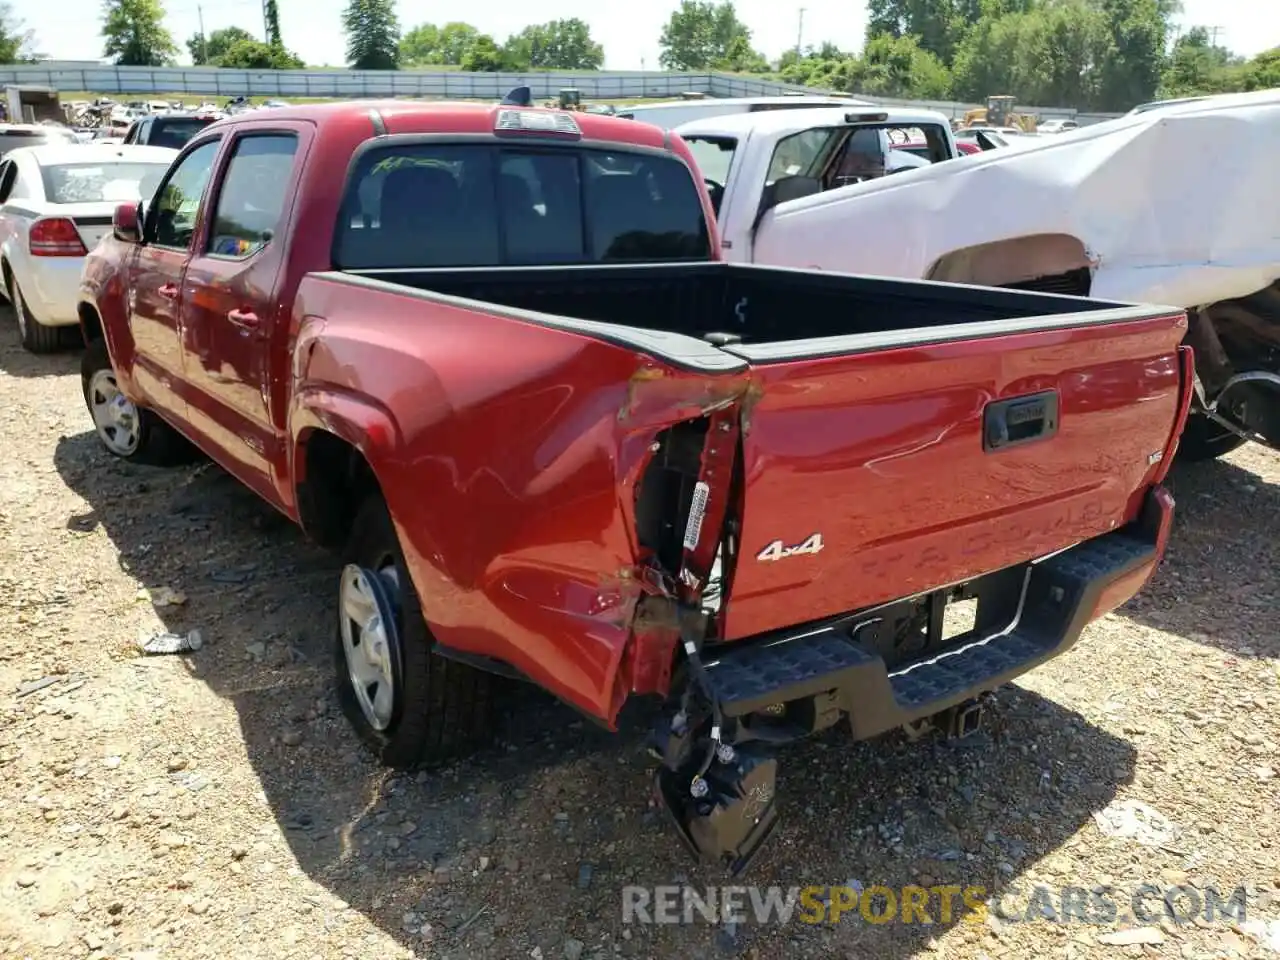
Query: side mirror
{"type": "Point", "coordinates": [782, 190]}
{"type": "Point", "coordinates": [788, 188]}
{"type": "Point", "coordinates": [126, 222]}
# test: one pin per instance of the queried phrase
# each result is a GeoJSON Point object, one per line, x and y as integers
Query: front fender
{"type": "Point", "coordinates": [104, 290]}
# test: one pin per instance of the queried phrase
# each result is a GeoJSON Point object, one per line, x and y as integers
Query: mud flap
{"type": "Point", "coordinates": [735, 813]}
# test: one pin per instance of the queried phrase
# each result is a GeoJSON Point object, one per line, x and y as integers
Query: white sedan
{"type": "Point", "coordinates": [56, 203]}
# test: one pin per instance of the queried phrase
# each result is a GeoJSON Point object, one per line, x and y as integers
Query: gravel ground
{"type": "Point", "coordinates": [215, 805]}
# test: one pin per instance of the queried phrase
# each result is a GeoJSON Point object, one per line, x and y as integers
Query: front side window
{"type": "Point", "coordinates": [252, 194]}
{"type": "Point", "coordinates": [173, 219]}
{"type": "Point", "coordinates": [841, 156]}
{"type": "Point", "coordinates": [799, 155]}
{"type": "Point", "coordinates": [450, 205]}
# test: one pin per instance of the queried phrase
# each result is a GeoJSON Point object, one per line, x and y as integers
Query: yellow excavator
{"type": "Point", "coordinates": [999, 112]}
{"type": "Point", "coordinates": [569, 99]}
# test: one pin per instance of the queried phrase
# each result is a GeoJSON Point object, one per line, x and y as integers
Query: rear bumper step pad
{"type": "Point", "coordinates": [1060, 595]}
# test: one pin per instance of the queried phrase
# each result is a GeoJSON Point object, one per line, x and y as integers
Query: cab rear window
{"type": "Point", "coordinates": [451, 205]}
{"type": "Point", "coordinates": [174, 132]}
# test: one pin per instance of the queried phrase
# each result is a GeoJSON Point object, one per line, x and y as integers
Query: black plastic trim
{"type": "Point", "coordinates": [1059, 595]}
{"type": "Point", "coordinates": [1016, 421]}
{"type": "Point", "coordinates": [1059, 312]}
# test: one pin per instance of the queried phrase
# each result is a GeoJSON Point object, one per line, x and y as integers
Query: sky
{"type": "Point", "coordinates": [629, 31]}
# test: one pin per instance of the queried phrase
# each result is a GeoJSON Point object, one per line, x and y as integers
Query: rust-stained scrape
{"type": "Point", "coordinates": [751, 397]}
{"type": "Point", "coordinates": [655, 392]}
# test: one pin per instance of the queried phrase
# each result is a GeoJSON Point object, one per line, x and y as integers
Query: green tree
{"type": "Point", "coordinates": [823, 66]}
{"type": "Point", "coordinates": [1130, 71]}
{"type": "Point", "coordinates": [1262, 72]}
{"type": "Point", "coordinates": [557, 45]}
{"type": "Point", "coordinates": [271, 12]}
{"type": "Point", "coordinates": [456, 40]}
{"type": "Point", "coordinates": [984, 59]}
{"type": "Point", "coordinates": [937, 24]}
{"type": "Point", "coordinates": [484, 56]}
{"type": "Point", "coordinates": [15, 39]}
{"type": "Point", "coordinates": [1091, 54]}
{"type": "Point", "coordinates": [741, 57]}
{"type": "Point", "coordinates": [430, 45]}
{"type": "Point", "coordinates": [702, 34]}
{"type": "Point", "coordinates": [1046, 55]}
{"type": "Point", "coordinates": [256, 55]}
{"type": "Point", "coordinates": [420, 46]}
{"type": "Point", "coordinates": [135, 34]}
{"type": "Point", "coordinates": [373, 35]}
{"type": "Point", "coordinates": [209, 50]}
{"type": "Point", "coordinates": [1196, 66]}
{"type": "Point", "coordinates": [900, 67]}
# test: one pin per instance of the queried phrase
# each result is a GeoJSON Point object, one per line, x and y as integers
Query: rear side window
{"type": "Point", "coordinates": [429, 205]}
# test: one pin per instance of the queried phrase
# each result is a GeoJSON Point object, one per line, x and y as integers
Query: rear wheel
{"type": "Point", "coordinates": [35, 336]}
{"type": "Point", "coordinates": [126, 430]}
{"type": "Point", "coordinates": [408, 704]}
{"type": "Point", "coordinates": [1204, 439]}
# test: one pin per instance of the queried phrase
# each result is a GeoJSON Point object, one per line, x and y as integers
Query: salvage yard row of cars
{"type": "Point", "coordinates": [729, 417]}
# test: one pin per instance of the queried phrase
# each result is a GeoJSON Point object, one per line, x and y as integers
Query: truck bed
{"type": "Point", "coordinates": [773, 312]}
{"type": "Point", "coordinates": [576, 431]}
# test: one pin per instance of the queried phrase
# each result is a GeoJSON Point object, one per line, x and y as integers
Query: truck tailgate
{"type": "Point", "coordinates": [880, 472]}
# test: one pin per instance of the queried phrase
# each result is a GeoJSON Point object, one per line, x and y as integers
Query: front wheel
{"type": "Point", "coordinates": [126, 430]}
{"type": "Point", "coordinates": [408, 704]}
{"type": "Point", "coordinates": [1205, 439]}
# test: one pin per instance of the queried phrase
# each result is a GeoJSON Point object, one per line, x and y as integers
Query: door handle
{"type": "Point", "coordinates": [1007, 423]}
{"type": "Point", "coordinates": [243, 318]}
{"type": "Point", "coordinates": [169, 291]}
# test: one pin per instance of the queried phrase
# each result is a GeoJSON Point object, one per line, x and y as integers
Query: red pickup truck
{"type": "Point", "coordinates": [490, 354]}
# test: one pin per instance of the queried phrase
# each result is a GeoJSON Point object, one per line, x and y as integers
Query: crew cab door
{"type": "Point", "coordinates": [155, 277]}
{"type": "Point", "coordinates": [233, 320]}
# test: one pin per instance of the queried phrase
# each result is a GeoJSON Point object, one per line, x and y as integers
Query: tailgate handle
{"type": "Point", "coordinates": [1008, 423]}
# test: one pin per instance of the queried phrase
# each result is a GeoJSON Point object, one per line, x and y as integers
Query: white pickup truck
{"type": "Point", "coordinates": [755, 162]}
{"type": "Point", "coordinates": [1176, 205]}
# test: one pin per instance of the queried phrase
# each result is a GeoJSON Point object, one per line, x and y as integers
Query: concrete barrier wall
{"type": "Point", "coordinates": [216, 84]}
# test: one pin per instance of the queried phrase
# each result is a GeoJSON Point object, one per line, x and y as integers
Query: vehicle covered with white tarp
{"type": "Point", "coordinates": [1177, 205]}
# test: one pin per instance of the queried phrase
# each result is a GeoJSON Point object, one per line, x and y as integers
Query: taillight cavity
{"type": "Point", "coordinates": [55, 237]}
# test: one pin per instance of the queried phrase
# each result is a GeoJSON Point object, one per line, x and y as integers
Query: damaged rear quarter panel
{"type": "Point", "coordinates": [512, 477]}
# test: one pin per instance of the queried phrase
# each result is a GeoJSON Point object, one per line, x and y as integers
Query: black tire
{"type": "Point", "coordinates": [34, 335]}
{"type": "Point", "coordinates": [1203, 439]}
{"type": "Point", "coordinates": [159, 445]}
{"type": "Point", "coordinates": [443, 709]}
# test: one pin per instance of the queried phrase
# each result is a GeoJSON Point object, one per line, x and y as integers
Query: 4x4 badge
{"type": "Point", "coordinates": [778, 551]}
